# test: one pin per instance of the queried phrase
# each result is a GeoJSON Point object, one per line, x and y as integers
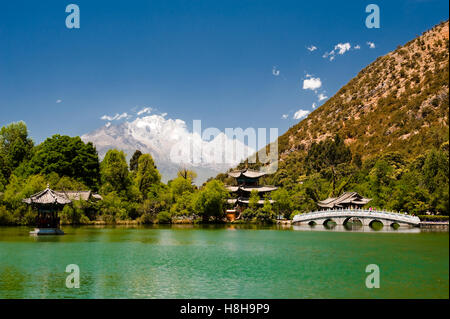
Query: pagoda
{"type": "Point", "coordinates": [348, 200]}
{"type": "Point", "coordinates": [247, 180]}
{"type": "Point", "coordinates": [47, 203]}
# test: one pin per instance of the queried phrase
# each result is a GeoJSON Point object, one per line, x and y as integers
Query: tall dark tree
{"type": "Point", "coordinates": [114, 172]}
{"type": "Point", "coordinates": [147, 175]}
{"type": "Point", "coordinates": [134, 161]}
{"type": "Point", "coordinates": [326, 156]}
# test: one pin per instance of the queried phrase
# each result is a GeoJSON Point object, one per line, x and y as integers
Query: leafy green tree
{"type": "Point", "coordinates": [147, 174]}
{"type": "Point", "coordinates": [436, 179]}
{"type": "Point", "coordinates": [15, 145]}
{"type": "Point", "coordinates": [66, 156]}
{"type": "Point", "coordinates": [114, 173]}
{"type": "Point", "coordinates": [187, 174]}
{"type": "Point", "coordinates": [4, 173]}
{"type": "Point", "coordinates": [180, 185]}
{"type": "Point", "coordinates": [134, 161]}
{"type": "Point", "coordinates": [210, 201]}
{"type": "Point", "coordinates": [283, 203]}
{"type": "Point", "coordinates": [112, 208]}
{"type": "Point", "coordinates": [328, 155]}
{"type": "Point", "coordinates": [266, 214]}
{"type": "Point", "coordinates": [253, 200]}
{"type": "Point", "coordinates": [20, 188]}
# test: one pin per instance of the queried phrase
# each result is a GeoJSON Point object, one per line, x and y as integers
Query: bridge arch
{"type": "Point", "coordinates": [395, 225]}
{"type": "Point", "coordinates": [329, 223]}
{"type": "Point", "coordinates": [352, 219]}
{"type": "Point", "coordinates": [373, 223]}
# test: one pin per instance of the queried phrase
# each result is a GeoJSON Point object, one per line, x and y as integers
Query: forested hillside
{"type": "Point", "coordinates": [384, 134]}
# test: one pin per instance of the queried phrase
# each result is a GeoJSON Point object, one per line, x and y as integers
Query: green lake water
{"type": "Point", "coordinates": [223, 262]}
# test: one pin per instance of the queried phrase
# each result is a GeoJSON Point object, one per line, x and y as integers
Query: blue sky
{"type": "Point", "coordinates": [228, 63]}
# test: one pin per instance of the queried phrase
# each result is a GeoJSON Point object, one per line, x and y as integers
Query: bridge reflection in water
{"type": "Point", "coordinates": [361, 229]}
{"type": "Point", "coordinates": [353, 219]}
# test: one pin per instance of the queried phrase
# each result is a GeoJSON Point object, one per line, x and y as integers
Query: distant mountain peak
{"type": "Point", "coordinates": [159, 136]}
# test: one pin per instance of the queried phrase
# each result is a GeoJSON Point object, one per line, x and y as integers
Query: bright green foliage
{"type": "Point", "coordinates": [20, 188]}
{"type": "Point", "coordinates": [248, 214]}
{"type": "Point", "coordinates": [66, 156]}
{"type": "Point", "coordinates": [253, 200]}
{"type": "Point", "coordinates": [183, 205]}
{"type": "Point", "coordinates": [112, 208]}
{"type": "Point", "coordinates": [180, 185]}
{"type": "Point", "coordinates": [74, 214]}
{"type": "Point", "coordinates": [210, 201]}
{"type": "Point", "coordinates": [265, 214]}
{"type": "Point", "coordinates": [187, 174]}
{"type": "Point", "coordinates": [114, 173]}
{"type": "Point", "coordinates": [15, 146]}
{"type": "Point", "coordinates": [283, 202]}
{"type": "Point", "coordinates": [147, 174]}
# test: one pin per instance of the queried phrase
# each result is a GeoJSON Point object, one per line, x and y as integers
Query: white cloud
{"type": "Point", "coordinates": [371, 45]}
{"type": "Point", "coordinates": [300, 114]}
{"type": "Point", "coordinates": [312, 48]}
{"type": "Point", "coordinates": [58, 101]}
{"type": "Point", "coordinates": [115, 117]}
{"type": "Point", "coordinates": [357, 47]}
{"type": "Point", "coordinates": [312, 83]}
{"type": "Point", "coordinates": [145, 110]}
{"type": "Point", "coordinates": [275, 72]}
{"type": "Point", "coordinates": [314, 105]}
{"type": "Point", "coordinates": [342, 47]}
{"type": "Point", "coordinates": [322, 97]}
{"type": "Point", "coordinates": [284, 116]}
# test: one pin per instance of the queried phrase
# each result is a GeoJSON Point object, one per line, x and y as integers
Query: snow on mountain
{"type": "Point", "coordinates": [171, 145]}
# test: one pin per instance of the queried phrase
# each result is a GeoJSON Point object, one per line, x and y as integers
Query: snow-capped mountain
{"type": "Point", "coordinates": [171, 145]}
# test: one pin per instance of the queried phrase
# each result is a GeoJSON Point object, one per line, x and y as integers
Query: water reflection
{"type": "Point", "coordinates": [355, 228]}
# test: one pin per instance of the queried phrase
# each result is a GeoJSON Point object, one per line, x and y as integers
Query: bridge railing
{"type": "Point", "coordinates": [382, 214]}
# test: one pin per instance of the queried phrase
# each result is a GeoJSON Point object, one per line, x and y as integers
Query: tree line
{"type": "Point", "coordinates": [131, 191]}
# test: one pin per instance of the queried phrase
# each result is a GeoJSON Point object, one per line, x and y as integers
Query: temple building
{"type": "Point", "coordinates": [48, 202]}
{"type": "Point", "coordinates": [349, 200]}
{"type": "Point", "coordinates": [247, 180]}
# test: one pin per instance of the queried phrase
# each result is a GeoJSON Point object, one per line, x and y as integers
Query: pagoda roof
{"type": "Point", "coordinates": [249, 173]}
{"type": "Point", "coordinates": [246, 201]}
{"type": "Point", "coordinates": [345, 198]}
{"type": "Point", "coordinates": [259, 189]}
{"type": "Point", "coordinates": [79, 195]}
{"type": "Point", "coordinates": [47, 196]}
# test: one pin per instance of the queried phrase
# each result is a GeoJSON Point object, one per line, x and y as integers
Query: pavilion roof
{"type": "Point", "coordinates": [247, 173]}
{"type": "Point", "coordinates": [345, 198]}
{"type": "Point", "coordinates": [47, 196]}
{"type": "Point", "coordinates": [259, 189]}
{"type": "Point", "coordinates": [79, 195]}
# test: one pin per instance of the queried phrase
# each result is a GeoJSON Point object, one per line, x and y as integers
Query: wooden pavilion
{"type": "Point", "coordinates": [47, 203]}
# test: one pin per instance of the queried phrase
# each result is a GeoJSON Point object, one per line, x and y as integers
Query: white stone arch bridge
{"type": "Point", "coordinates": [366, 217]}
